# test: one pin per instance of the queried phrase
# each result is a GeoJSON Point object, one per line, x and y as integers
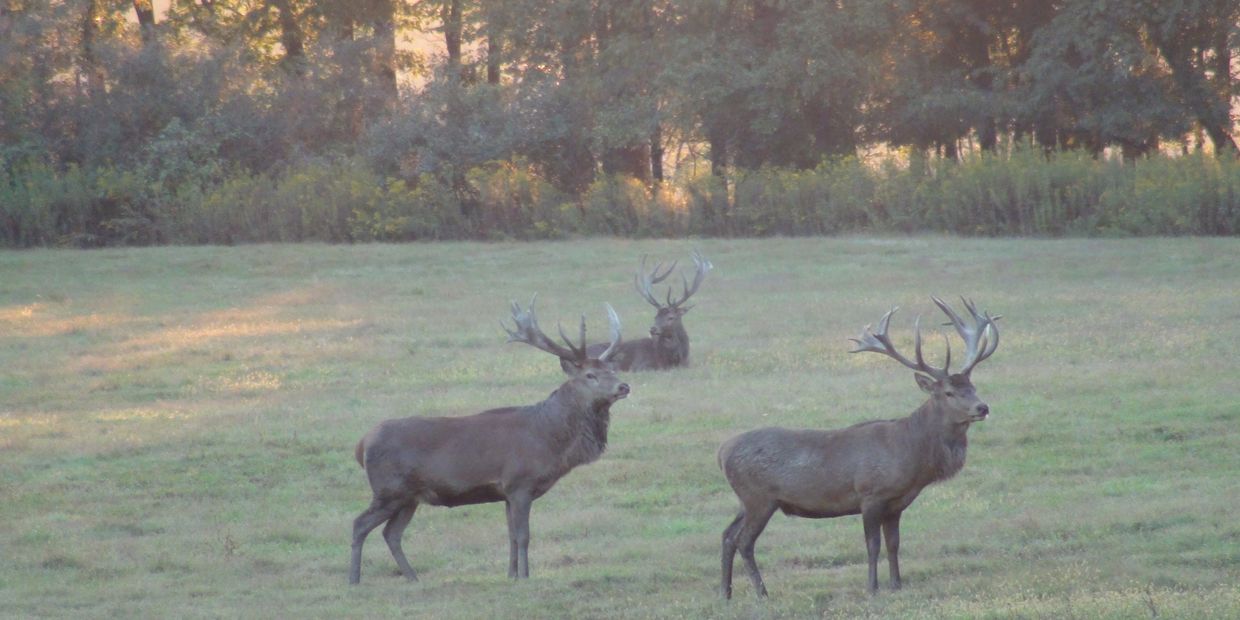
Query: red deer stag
{"type": "Point", "coordinates": [875, 469]}
{"type": "Point", "coordinates": [668, 344]}
{"type": "Point", "coordinates": [512, 455]}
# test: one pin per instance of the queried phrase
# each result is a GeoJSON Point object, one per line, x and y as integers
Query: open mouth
{"type": "Point", "coordinates": [979, 417]}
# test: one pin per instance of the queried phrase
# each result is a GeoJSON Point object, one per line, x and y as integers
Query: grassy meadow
{"type": "Point", "coordinates": [177, 428]}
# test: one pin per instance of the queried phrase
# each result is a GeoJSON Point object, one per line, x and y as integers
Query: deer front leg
{"type": "Point", "coordinates": [871, 519]}
{"type": "Point", "coordinates": [512, 542]}
{"type": "Point", "coordinates": [520, 536]}
{"type": "Point", "coordinates": [891, 532]}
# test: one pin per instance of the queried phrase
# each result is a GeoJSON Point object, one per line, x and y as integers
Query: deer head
{"type": "Point", "coordinates": [667, 324]}
{"type": "Point", "coordinates": [953, 393]}
{"type": "Point", "coordinates": [593, 379]}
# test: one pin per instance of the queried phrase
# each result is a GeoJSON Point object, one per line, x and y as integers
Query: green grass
{"type": "Point", "coordinates": [177, 429]}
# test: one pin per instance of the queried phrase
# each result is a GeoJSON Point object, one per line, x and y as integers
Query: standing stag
{"type": "Point", "coordinates": [668, 344]}
{"type": "Point", "coordinates": [875, 469]}
{"type": "Point", "coordinates": [512, 455]}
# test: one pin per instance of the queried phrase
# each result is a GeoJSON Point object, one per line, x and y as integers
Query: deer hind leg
{"type": "Point", "coordinates": [729, 554]}
{"type": "Point", "coordinates": [378, 512]}
{"type": "Point", "coordinates": [891, 532]}
{"type": "Point", "coordinates": [392, 532]}
{"type": "Point", "coordinates": [872, 518]}
{"type": "Point", "coordinates": [751, 527]}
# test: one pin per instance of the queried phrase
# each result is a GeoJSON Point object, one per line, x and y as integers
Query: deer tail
{"type": "Point", "coordinates": [360, 452]}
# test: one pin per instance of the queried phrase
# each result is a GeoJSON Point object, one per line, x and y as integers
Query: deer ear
{"type": "Point", "coordinates": [925, 382]}
{"type": "Point", "coordinates": [683, 310]}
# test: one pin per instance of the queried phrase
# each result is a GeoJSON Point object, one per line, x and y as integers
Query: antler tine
{"type": "Point", "coordinates": [656, 277]}
{"type": "Point", "coordinates": [980, 339]}
{"type": "Point", "coordinates": [578, 352]}
{"type": "Point", "coordinates": [643, 280]}
{"type": "Point", "coordinates": [613, 321]}
{"type": "Point", "coordinates": [527, 331]}
{"type": "Point", "coordinates": [880, 342]}
{"type": "Point", "coordinates": [701, 268]}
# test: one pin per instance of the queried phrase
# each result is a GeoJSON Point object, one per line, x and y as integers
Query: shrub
{"type": "Point", "coordinates": [178, 192]}
{"type": "Point", "coordinates": [508, 199]}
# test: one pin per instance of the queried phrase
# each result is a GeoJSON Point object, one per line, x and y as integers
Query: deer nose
{"type": "Point", "coordinates": [983, 410]}
{"type": "Point", "coordinates": [623, 389]}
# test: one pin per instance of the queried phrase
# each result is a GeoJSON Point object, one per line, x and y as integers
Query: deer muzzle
{"type": "Point", "coordinates": [980, 412]}
{"type": "Point", "coordinates": [622, 390]}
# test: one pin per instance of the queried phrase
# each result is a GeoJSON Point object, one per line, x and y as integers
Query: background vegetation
{"type": "Point", "coordinates": [177, 428]}
{"type": "Point", "coordinates": [228, 121]}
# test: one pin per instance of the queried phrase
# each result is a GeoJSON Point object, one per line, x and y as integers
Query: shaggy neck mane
{"type": "Point", "coordinates": [578, 428]}
{"type": "Point", "coordinates": [675, 351]}
{"type": "Point", "coordinates": [946, 444]}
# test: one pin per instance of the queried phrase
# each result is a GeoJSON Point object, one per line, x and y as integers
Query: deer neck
{"type": "Point", "coordinates": [576, 427]}
{"type": "Point", "coordinates": [673, 347]}
{"type": "Point", "coordinates": [943, 443]}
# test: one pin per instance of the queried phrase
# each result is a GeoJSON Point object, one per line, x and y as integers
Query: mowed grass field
{"type": "Point", "coordinates": [177, 428]}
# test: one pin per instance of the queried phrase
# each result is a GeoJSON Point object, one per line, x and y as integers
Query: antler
{"type": "Point", "coordinates": [527, 331]}
{"type": "Point", "coordinates": [613, 321]}
{"type": "Point", "coordinates": [701, 268]}
{"type": "Point", "coordinates": [980, 340]}
{"type": "Point", "coordinates": [878, 342]}
{"type": "Point", "coordinates": [644, 281]}
{"type": "Point", "coordinates": [977, 341]}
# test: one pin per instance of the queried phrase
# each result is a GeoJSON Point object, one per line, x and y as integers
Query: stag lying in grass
{"type": "Point", "coordinates": [512, 455]}
{"type": "Point", "coordinates": [875, 469]}
{"type": "Point", "coordinates": [668, 344]}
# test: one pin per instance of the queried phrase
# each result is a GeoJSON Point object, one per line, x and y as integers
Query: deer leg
{"type": "Point", "coordinates": [512, 542]}
{"type": "Point", "coordinates": [378, 512]}
{"type": "Point", "coordinates": [392, 532]}
{"type": "Point", "coordinates": [891, 532]}
{"type": "Point", "coordinates": [521, 533]}
{"type": "Point", "coordinates": [752, 526]}
{"type": "Point", "coordinates": [871, 519]}
{"type": "Point", "coordinates": [729, 554]}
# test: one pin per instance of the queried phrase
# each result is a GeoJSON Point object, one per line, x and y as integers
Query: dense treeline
{"type": "Point", "coordinates": [228, 121]}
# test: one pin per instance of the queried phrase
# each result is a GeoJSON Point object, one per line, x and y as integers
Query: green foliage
{"type": "Point", "coordinates": [344, 200]}
{"type": "Point", "coordinates": [623, 206]}
{"type": "Point", "coordinates": [508, 199]}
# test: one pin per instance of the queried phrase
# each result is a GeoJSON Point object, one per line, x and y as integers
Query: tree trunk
{"type": "Point", "coordinates": [290, 38]}
{"type": "Point", "coordinates": [385, 51]}
{"type": "Point", "coordinates": [494, 53]}
{"type": "Point", "coordinates": [90, 62]}
{"type": "Point", "coordinates": [451, 16]}
{"type": "Point", "coordinates": [146, 19]}
{"type": "Point", "coordinates": [950, 152]}
{"type": "Point", "coordinates": [656, 154]}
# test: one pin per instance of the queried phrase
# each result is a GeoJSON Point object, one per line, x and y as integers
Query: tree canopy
{"type": "Point", "coordinates": [582, 90]}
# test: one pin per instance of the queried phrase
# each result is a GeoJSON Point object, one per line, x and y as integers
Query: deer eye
{"type": "Point", "coordinates": [949, 393]}
{"type": "Point", "coordinates": [590, 376]}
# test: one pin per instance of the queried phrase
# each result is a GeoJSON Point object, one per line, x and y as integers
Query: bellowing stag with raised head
{"type": "Point", "coordinates": [875, 469]}
{"type": "Point", "coordinates": [512, 455]}
{"type": "Point", "coordinates": [668, 344]}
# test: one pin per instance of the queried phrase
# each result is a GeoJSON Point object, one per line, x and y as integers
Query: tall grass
{"type": "Point", "coordinates": [1024, 193]}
